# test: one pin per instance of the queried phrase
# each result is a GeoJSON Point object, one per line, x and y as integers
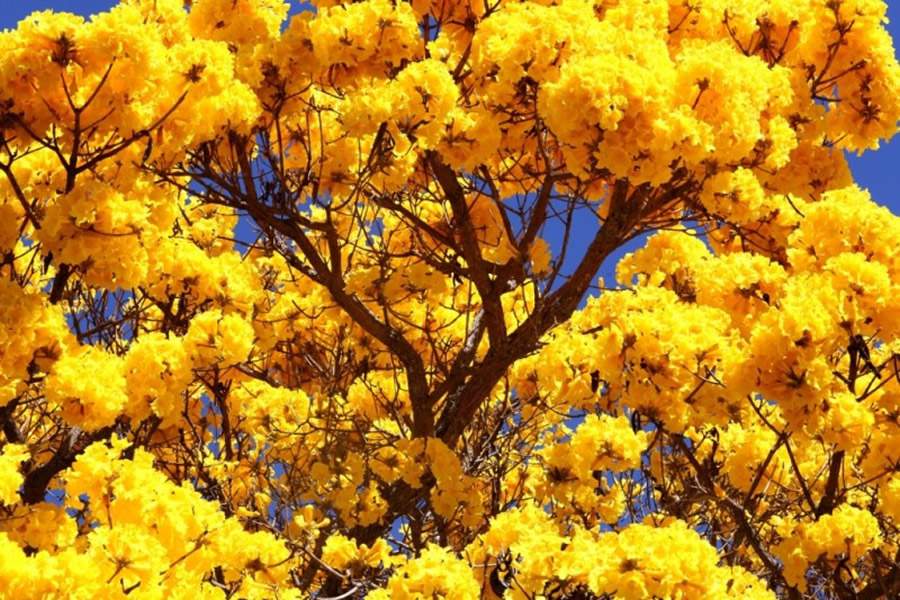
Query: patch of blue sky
{"type": "Point", "coordinates": [107, 309]}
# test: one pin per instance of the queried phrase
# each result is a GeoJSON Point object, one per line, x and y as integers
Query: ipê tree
{"type": "Point", "coordinates": [308, 306]}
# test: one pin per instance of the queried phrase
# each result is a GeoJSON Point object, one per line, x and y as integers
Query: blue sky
{"type": "Point", "coordinates": [878, 171]}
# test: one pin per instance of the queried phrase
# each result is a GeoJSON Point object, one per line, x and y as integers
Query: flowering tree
{"type": "Point", "coordinates": [402, 378]}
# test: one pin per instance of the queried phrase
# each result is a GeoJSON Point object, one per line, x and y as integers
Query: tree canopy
{"type": "Point", "coordinates": [308, 305]}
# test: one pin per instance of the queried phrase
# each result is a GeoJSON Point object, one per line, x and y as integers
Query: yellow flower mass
{"type": "Point", "coordinates": [306, 304]}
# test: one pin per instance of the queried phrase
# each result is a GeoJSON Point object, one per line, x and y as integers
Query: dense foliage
{"type": "Point", "coordinates": [308, 306]}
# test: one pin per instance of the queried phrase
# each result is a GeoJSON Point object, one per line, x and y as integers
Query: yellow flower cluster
{"type": "Point", "coordinates": [645, 345]}
{"type": "Point", "coordinates": [241, 23]}
{"type": "Point", "coordinates": [890, 498]}
{"type": "Point", "coordinates": [667, 560]}
{"type": "Point", "coordinates": [217, 339]}
{"type": "Point", "coordinates": [435, 573]}
{"type": "Point", "coordinates": [455, 495]}
{"type": "Point", "coordinates": [149, 534]}
{"type": "Point", "coordinates": [44, 526]}
{"type": "Point", "coordinates": [342, 553]}
{"type": "Point", "coordinates": [400, 460]}
{"type": "Point", "coordinates": [744, 449]}
{"type": "Point", "coordinates": [33, 335]}
{"type": "Point", "coordinates": [10, 478]}
{"type": "Point", "coordinates": [847, 533]}
{"type": "Point", "coordinates": [93, 401]}
{"type": "Point", "coordinates": [576, 472]}
{"type": "Point", "coordinates": [98, 225]}
{"type": "Point", "coordinates": [157, 372]}
{"type": "Point", "coordinates": [339, 45]}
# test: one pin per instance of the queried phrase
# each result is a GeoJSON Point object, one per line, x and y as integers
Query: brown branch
{"type": "Point", "coordinates": [737, 512]}
{"type": "Point", "coordinates": [319, 271]}
{"type": "Point", "coordinates": [830, 498]}
{"type": "Point", "coordinates": [463, 402]}
{"type": "Point", "coordinates": [490, 298]}
{"type": "Point", "coordinates": [20, 195]}
{"type": "Point", "coordinates": [887, 586]}
{"type": "Point", "coordinates": [37, 480]}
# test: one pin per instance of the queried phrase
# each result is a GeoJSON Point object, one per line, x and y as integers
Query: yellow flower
{"type": "Point", "coordinates": [10, 477]}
